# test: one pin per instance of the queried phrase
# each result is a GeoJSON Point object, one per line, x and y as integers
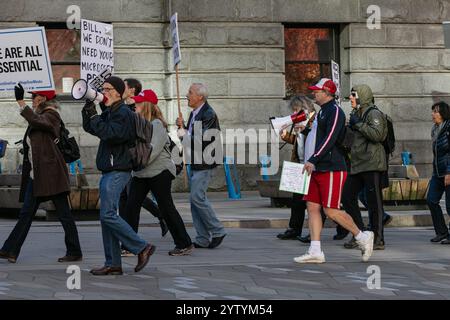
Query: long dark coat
{"type": "Point", "coordinates": [51, 176]}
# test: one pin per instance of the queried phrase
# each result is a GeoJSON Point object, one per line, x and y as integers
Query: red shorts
{"type": "Point", "coordinates": [325, 188]}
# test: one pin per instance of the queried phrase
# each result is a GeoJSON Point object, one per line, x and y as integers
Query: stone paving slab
{"type": "Point", "coordinates": [250, 264]}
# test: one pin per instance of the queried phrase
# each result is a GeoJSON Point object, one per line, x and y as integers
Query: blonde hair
{"type": "Point", "coordinates": [151, 112]}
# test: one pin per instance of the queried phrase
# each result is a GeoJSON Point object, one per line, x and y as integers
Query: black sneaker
{"type": "Point", "coordinates": [289, 234]}
{"type": "Point", "coordinates": [196, 245]}
{"type": "Point", "coordinates": [306, 239]}
{"type": "Point", "coordinates": [379, 245]}
{"type": "Point", "coordinates": [352, 244]}
{"type": "Point", "coordinates": [439, 238]}
{"type": "Point", "coordinates": [216, 241]}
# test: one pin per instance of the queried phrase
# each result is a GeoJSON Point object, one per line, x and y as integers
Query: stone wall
{"type": "Point", "coordinates": [236, 47]}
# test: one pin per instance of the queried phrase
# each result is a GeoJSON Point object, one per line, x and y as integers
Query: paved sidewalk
{"type": "Point", "coordinates": [254, 211]}
{"type": "Point", "coordinates": [250, 264]}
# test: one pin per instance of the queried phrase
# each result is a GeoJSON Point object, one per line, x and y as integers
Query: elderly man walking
{"type": "Point", "coordinates": [210, 231]}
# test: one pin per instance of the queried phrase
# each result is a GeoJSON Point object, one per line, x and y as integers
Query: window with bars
{"type": "Point", "coordinates": [308, 54]}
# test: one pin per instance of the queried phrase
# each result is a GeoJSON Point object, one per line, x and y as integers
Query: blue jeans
{"type": "Point", "coordinates": [435, 191]}
{"type": "Point", "coordinates": [203, 216]}
{"type": "Point", "coordinates": [114, 229]}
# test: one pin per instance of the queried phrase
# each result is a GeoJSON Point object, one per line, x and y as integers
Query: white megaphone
{"type": "Point", "coordinates": [81, 90]}
{"type": "Point", "coordinates": [281, 123]}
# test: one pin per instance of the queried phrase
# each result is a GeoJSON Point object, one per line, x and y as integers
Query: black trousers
{"type": "Point", "coordinates": [353, 185]}
{"type": "Point", "coordinates": [30, 206]}
{"type": "Point", "coordinates": [298, 210]}
{"type": "Point", "coordinates": [147, 204]}
{"type": "Point", "coordinates": [160, 186]}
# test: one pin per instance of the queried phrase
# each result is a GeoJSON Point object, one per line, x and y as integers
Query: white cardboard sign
{"type": "Point", "coordinates": [97, 48]}
{"type": "Point", "coordinates": [24, 58]}
{"type": "Point", "coordinates": [175, 38]}
{"type": "Point", "coordinates": [292, 178]}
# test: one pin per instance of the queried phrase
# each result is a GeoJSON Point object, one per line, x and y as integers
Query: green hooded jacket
{"type": "Point", "coordinates": [367, 152]}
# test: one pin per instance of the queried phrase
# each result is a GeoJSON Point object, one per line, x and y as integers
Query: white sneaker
{"type": "Point", "coordinates": [366, 246]}
{"type": "Point", "coordinates": [310, 258]}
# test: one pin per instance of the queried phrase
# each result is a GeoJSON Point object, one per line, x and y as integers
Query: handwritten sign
{"type": "Point", "coordinates": [175, 39]}
{"type": "Point", "coordinates": [292, 178]}
{"type": "Point", "coordinates": [97, 47]}
{"type": "Point", "coordinates": [24, 58]}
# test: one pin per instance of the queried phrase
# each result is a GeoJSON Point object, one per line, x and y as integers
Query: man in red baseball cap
{"type": "Point", "coordinates": [326, 165]}
{"type": "Point", "coordinates": [324, 84]}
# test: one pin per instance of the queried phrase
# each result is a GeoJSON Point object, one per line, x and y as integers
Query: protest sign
{"type": "Point", "coordinates": [292, 178]}
{"type": "Point", "coordinates": [175, 39]}
{"type": "Point", "coordinates": [97, 47]}
{"type": "Point", "coordinates": [24, 58]}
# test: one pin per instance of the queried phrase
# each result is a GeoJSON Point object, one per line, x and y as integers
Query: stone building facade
{"type": "Point", "coordinates": [237, 48]}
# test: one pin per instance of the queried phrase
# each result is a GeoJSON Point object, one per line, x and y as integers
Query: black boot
{"type": "Point", "coordinates": [289, 234]}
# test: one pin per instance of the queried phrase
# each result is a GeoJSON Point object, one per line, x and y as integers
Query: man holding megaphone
{"type": "Point", "coordinates": [116, 129]}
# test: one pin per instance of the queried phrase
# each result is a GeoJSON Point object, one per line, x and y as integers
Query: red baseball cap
{"type": "Point", "coordinates": [146, 95]}
{"type": "Point", "coordinates": [49, 94]}
{"type": "Point", "coordinates": [325, 84]}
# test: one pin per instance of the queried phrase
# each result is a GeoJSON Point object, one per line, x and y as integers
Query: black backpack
{"type": "Point", "coordinates": [179, 167]}
{"type": "Point", "coordinates": [389, 142]}
{"type": "Point", "coordinates": [67, 145]}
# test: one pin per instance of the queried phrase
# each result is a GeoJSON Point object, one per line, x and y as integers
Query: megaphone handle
{"type": "Point", "coordinates": [290, 132]}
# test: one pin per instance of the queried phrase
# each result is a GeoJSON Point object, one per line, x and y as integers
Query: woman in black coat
{"type": "Point", "coordinates": [440, 181]}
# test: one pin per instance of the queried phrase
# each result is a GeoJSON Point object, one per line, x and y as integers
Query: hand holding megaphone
{"type": "Point", "coordinates": [281, 123]}
{"type": "Point", "coordinates": [81, 90]}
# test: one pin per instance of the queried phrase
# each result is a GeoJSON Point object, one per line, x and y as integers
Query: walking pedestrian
{"type": "Point", "coordinates": [440, 181]}
{"type": "Point", "coordinates": [157, 176]}
{"type": "Point", "coordinates": [210, 231]}
{"type": "Point", "coordinates": [328, 171]}
{"type": "Point", "coordinates": [115, 128]}
{"type": "Point", "coordinates": [44, 174]}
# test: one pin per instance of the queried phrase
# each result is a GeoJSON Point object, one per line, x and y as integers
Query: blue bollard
{"type": "Point", "coordinates": [265, 160]}
{"type": "Point", "coordinates": [74, 165]}
{"type": "Point", "coordinates": [234, 191]}
{"type": "Point", "coordinates": [406, 157]}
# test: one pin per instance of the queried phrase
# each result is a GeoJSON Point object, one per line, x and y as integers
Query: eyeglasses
{"type": "Point", "coordinates": [107, 89]}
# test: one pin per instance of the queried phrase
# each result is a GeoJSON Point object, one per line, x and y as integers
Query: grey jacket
{"type": "Point", "coordinates": [160, 158]}
{"type": "Point", "coordinates": [367, 152]}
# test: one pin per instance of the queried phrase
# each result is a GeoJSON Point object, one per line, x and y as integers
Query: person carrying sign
{"type": "Point", "coordinates": [44, 175]}
{"type": "Point", "coordinates": [327, 168]}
